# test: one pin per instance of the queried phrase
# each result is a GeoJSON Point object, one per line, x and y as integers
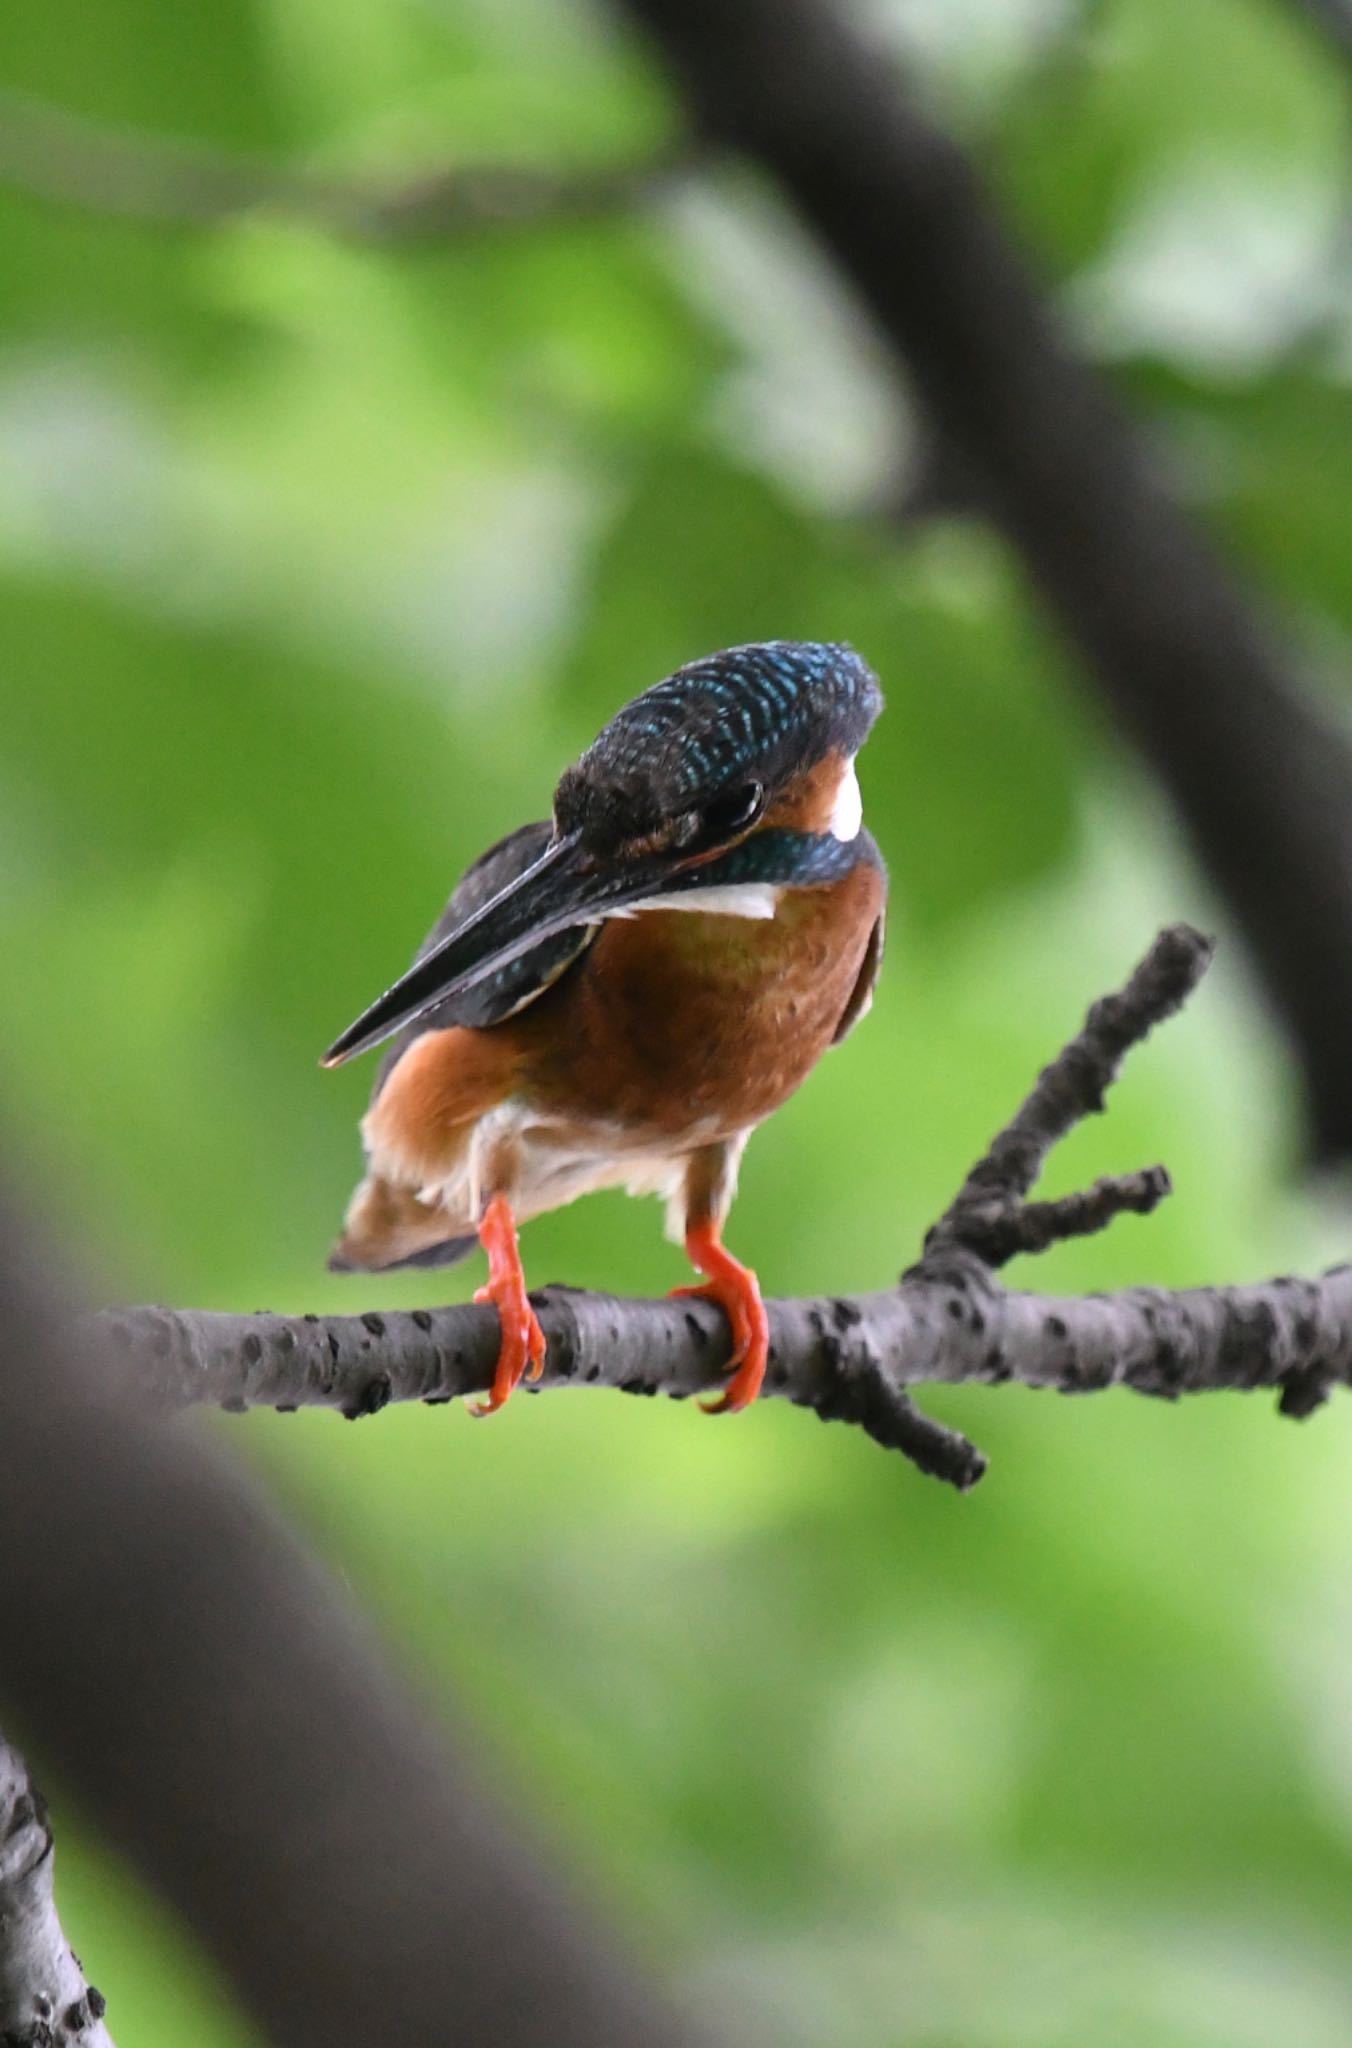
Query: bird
{"type": "Point", "coordinates": [619, 995]}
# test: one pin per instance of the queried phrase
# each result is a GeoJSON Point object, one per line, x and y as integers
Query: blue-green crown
{"type": "Point", "coordinates": [764, 711]}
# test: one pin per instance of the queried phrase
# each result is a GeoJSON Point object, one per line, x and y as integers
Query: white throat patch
{"type": "Point", "coordinates": [848, 814]}
{"type": "Point", "coordinates": [736, 899]}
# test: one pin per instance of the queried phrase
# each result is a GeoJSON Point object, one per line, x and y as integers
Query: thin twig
{"type": "Point", "coordinates": [69, 161]}
{"type": "Point", "coordinates": [850, 1358]}
{"type": "Point", "coordinates": [999, 1231]}
{"type": "Point", "coordinates": [987, 1214]}
{"type": "Point", "coordinates": [44, 1999]}
{"type": "Point", "coordinates": [1077, 1080]}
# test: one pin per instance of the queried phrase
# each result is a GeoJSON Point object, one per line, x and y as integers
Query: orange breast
{"type": "Point", "coordinates": [688, 1026]}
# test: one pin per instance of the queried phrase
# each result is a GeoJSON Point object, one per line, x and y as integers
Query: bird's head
{"type": "Point", "coordinates": [726, 781]}
{"type": "Point", "coordinates": [746, 740]}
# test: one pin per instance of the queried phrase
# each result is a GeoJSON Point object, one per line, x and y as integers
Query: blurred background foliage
{"type": "Point", "coordinates": [318, 559]}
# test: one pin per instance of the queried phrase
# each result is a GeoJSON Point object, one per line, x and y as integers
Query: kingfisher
{"type": "Point", "coordinates": [619, 995]}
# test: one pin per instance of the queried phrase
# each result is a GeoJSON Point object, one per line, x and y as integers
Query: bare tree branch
{"type": "Point", "coordinates": [1260, 772]}
{"type": "Point", "coordinates": [928, 1331]}
{"type": "Point", "coordinates": [851, 1358]}
{"type": "Point", "coordinates": [44, 1999]}
{"type": "Point", "coordinates": [68, 161]}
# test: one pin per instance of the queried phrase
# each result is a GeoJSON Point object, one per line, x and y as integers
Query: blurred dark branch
{"type": "Point", "coordinates": [44, 1999]}
{"type": "Point", "coordinates": [850, 1358]}
{"type": "Point", "coordinates": [1333, 18]}
{"type": "Point", "coordinates": [179, 1662]}
{"type": "Point", "coordinates": [1320, 335]}
{"type": "Point", "coordinates": [1259, 769]}
{"type": "Point", "coordinates": [68, 161]}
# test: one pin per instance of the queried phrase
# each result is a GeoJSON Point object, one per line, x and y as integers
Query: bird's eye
{"type": "Point", "coordinates": [733, 811]}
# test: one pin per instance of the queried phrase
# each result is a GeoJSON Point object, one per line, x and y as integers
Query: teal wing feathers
{"type": "Point", "coordinates": [514, 986]}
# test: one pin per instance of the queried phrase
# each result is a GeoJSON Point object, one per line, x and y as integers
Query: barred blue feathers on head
{"type": "Point", "coordinates": [755, 713]}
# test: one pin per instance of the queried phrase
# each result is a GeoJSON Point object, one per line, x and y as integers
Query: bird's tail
{"type": "Point", "coordinates": [388, 1226]}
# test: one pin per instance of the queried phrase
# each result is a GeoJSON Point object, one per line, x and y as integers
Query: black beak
{"type": "Point", "coordinates": [565, 888]}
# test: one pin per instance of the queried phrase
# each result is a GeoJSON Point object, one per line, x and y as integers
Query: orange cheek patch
{"type": "Point", "coordinates": [809, 801]}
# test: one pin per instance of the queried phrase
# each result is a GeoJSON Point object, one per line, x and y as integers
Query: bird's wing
{"type": "Point", "coordinates": [861, 995]}
{"type": "Point", "coordinates": [513, 987]}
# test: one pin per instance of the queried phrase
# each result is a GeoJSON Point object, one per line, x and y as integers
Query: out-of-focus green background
{"type": "Point", "coordinates": [317, 563]}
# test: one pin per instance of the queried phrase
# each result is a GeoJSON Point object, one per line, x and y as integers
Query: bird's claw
{"type": "Point", "coordinates": [521, 1354]}
{"type": "Point", "coordinates": [736, 1291]}
{"type": "Point", "coordinates": [521, 1349]}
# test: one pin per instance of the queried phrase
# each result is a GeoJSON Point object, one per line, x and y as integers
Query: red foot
{"type": "Point", "coordinates": [735, 1289]}
{"type": "Point", "coordinates": [523, 1341]}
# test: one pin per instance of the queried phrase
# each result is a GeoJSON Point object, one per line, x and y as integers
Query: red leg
{"type": "Point", "coordinates": [736, 1290]}
{"type": "Point", "coordinates": [523, 1341]}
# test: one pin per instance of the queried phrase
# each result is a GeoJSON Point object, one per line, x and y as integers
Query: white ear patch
{"type": "Point", "coordinates": [848, 814]}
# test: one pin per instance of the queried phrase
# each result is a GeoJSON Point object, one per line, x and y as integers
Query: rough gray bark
{"type": "Point", "coordinates": [831, 1354]}
{"type": "Point", "coordinates": [850, 1358]}
{"type": "Point", "coordinates": [176, 1660]}
{"type": "Point", "coordinates": [44, 1999]}
{"type": "Point", "coordinates": [1260, 772]}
